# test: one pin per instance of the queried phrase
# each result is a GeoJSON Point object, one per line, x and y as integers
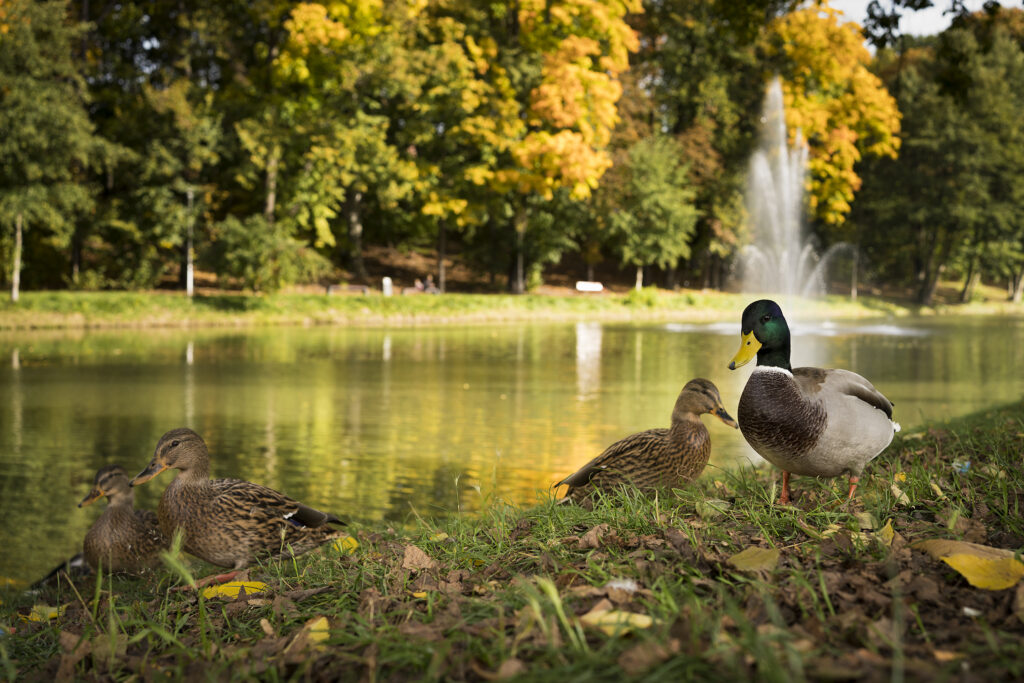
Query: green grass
{"type": "Point", "coordinates": [505, 590]}
{"type": "Point", "coordinates": [152, 309]}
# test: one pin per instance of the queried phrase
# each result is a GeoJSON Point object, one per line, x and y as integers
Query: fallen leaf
{"type": "Point", "coordinates": [267, 628]}
{"type": "Point", "coordinates": [592, 539]}
{"type": "Point", "coordinates": [419, 594]}
{"type": "Point", "coordinates": [754, 559]}
{"type": "Point", "coordinates": [1018, 603]}
{"type": "Point", "coordinates": [346, 545]}
{"type": "Point", "coordinates": [442, 536]}
{"type": "Point", "coordinates": [106, 648]}
{"type": "Point", "coordinates": [416, 559]}
{"type": "Point", "coordinates": [643, 656]}
{"type": "Point", "coordinates": [43, 613]}
{"type": "Point", "coordinates": [232, 589]}
{"type": "Point", "coordinates": [311, 637]}
{"type": "Point", "coordinates": [867, 520]}
{"type": "Point", "coordinates": [938, 491]}
{"type": "Point", "coordinates": [712, 508]}
{"type": "Point", "coordinates": [510, 668]}
{"type": "Point", "coordinates": [983, 566]}
{"type": "Point", "coordinates": [886, 534]}
{"type": "Point", "coordinates": [901, 497]}
{"type": "Point", "coordinates": [946, 656]}
{"type": "Point", "coordinates": [613, 622]}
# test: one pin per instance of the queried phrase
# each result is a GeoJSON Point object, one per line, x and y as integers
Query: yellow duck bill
{"type": "Point", "coordinates": [91, 497]}
{"type": "Point", "coordinates": [749, 346]}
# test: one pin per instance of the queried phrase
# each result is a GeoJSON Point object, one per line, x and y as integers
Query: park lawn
{"type": "Point", "coordinates": [653, 588]}
{"type": "Point", "coordinates": [65, 309]}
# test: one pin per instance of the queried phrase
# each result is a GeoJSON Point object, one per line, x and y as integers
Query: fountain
{"type": "Point", "coordinates": [782, 259]}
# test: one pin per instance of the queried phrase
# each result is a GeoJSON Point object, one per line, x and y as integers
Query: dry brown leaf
{"type": "Point", "coordinates": [510, 668]}
{"type": "Point", "coordinates": [311, 637]}
{"type": "Point", "coordinates": [754, 559]}
{"type": "Point", "coordinates": [415, 559]}
{"type": "Point", "coordinates": [284, 607]}
{"type": "Point", "coordinates": [946, 656]}
{"type": "Point", "coordinates": [983, 566]}
{"type": "Point", "coordinates": [267, 628]}
{"type": "Point", "coordinates": [643, 656]}
{"type": "Point", "coordinates": [592, 539]}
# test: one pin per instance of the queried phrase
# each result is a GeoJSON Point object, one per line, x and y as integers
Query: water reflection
{"type": "Point", "coordinates": [376, 423]}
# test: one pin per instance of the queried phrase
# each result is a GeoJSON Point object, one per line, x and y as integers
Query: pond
{"type": "Point", "coordinates": [379, 424]}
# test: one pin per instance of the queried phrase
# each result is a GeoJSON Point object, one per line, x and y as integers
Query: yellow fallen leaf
{"type": "Point", "coordinates": [346, 545]}
{"type": "Point", "coordinates": [712, 508]}
{"type": "Point", "coordinates": [615, 622]}
{"type": "Point", "coordinates": [44, 613]}
{"type": "Point", "coordinates": [983, 566]}
{"type": "Point", "coordinates": [319, 629]}
{"type": "Point", "coordinates": [754, 559]}
{"type": "Point", "coordinates": [901, 497]}
{"type": "Point", "coordinates": [866, 520]}
{"type": "Point", "coordinates": [886, 534]}
{"type": "Point", "coordinates": [439, 536]}
{"type": "Point", "coordinates": [900, 476]}
{"type": "Point", "coordinates": [419, 594]}
{"type": "Point", "coordinates": [231, 589]}
{"type": "Point", "coordinates": [946, 655]}
{"type": "Point", "coordinates": [938, 491]}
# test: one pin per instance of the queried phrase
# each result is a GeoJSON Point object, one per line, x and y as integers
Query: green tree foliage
{"type": "Point", "coordinates": [655, 216]}
{"type": "Point", "coordinates": [48, 141]}
{"type": "Point", "coordinates": [961, 165]}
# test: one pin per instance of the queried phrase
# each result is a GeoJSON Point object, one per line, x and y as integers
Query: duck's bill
{"type": "Point", "coordinates": [145, 475]}
{"type": "Point", "coordinates": [749, 347]}
{"type": "Point", "coordinates": [91, 497]}
{"type": "Point", "coordinates": [725, 417]}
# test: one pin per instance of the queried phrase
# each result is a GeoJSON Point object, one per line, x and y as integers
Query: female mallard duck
{"type": "Point", "coordinates": [228, 522]}
{"type": "Point", "coordinates": [656, 458]}
{"type": "Point", "coordinates": [807, 421]}
{"type": "Point", "coordinates": [123, 539]}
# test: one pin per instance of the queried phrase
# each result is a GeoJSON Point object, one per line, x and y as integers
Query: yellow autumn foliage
{"type": "Point", "coordinates": [843, 110]}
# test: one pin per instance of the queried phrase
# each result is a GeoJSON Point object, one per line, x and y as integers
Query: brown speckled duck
{"type": "Point", "coordinates": [122, 539]}
{"type": "Point", "coordinates": [656, 458]}
{"type": "Point", "coordinates": [807, 421]}
{"type": "Point", "coordinates": [229, 522]}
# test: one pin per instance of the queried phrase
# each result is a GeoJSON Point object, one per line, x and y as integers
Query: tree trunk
{"type": "Point", "coordinates": [271, 201]}
{"type": "Point", "coordinates": [973, 275]}
{"type": "Point", "coordinates": [518, 284]}
{"type": "Point", "coordinates": [590, 272]}
{"type": "Point", "coordinates": [934, 266]}
{"type": "Point", "coordinates": [355, 235]}
{"type": "Point", "coordinates": [76, 255]}
{"type": "Point", "coordinates": [853, 276]}
{"type": "Point", "coordinates": [671, 277]}
{"type": "Point", "coordinates": [639, 278]}
{"type": "Point", "coordinates": [16, 258]}
{"type": "Point", "coordinates": [189, 267]}
{"type": "Point", "coordinates": [441, 254]}
{"type": "Point", "coordinates": [1018, 287]}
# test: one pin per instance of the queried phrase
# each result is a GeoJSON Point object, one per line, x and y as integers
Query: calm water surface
{"type": "Point", "coordinates": [376, 424]}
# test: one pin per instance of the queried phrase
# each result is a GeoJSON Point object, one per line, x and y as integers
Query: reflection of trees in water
{"type": "Point", "coordinates": [322, 415]}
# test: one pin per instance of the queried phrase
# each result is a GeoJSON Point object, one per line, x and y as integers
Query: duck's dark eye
{"type": "Point", "coordinates": [175, 443]}
{"type": "Point", "coordinates": [766, 317]}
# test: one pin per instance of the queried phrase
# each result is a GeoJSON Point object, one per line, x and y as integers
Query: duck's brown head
{"type": "Point", "coordinates": [110, 481]}
{"type": "Point", "coordinates": [179, 449]}
{"type": "Point", "coordinates": [700, 396]}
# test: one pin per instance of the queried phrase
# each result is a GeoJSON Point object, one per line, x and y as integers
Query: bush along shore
{"type": "Point", "coordinates": [916, 580]}
{"type": "Point", "coordinates": [78, 310]}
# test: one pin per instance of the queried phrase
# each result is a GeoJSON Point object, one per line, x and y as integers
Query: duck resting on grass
{"type": "Point", "coordinates": [807, 421]}
{"type": "Point", "coordinates": [229, 522]}
{"type": "Point", "coordinates": [122, 539]}
{"type": "Point", "coordinates": [656, 458]}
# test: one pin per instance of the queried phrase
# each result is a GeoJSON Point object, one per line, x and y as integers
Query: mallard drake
{"type": "Point", "coordinates": [806, 421]}
{"type": "Point", "coordinates": [656, 458]}
{"type": "Point", "coordinates": [122, 539]}
{"type": "Point", "coordinates": [228, 522]}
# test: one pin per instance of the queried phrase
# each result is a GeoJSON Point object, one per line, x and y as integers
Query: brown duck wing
{"type": "Point", "coordinates": [813, 380]}
{"type": "Point", "coordinates": [640, 441]}
{"type": "Point", "coordinates": [236, 496]}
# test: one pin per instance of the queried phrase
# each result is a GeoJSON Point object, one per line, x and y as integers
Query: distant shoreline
{"type": "Point", "coordinates": [107, 310]}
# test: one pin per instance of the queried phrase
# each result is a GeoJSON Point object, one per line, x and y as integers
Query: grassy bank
{"type": "Point", "coordinates": [41, 310]}
{"type": "Point", "coordinates": [633, 588]}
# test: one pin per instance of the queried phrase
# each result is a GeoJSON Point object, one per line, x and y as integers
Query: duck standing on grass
{"type": "Point", "coordinates": [806, 421]}
{"type": "Point", "coordinates": [656, 458]}
{"type": "Point", "coordinates": [122, 539]}
{"type": "Point", "coordinates": [229, 522]}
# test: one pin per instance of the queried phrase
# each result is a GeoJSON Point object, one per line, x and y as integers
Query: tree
{"type": "Point", "coordinates": [843, 110]}
{"type": "Point", "coordinates": [655, 216]}
{"type": "Point", "coordinates": [48, 139]}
